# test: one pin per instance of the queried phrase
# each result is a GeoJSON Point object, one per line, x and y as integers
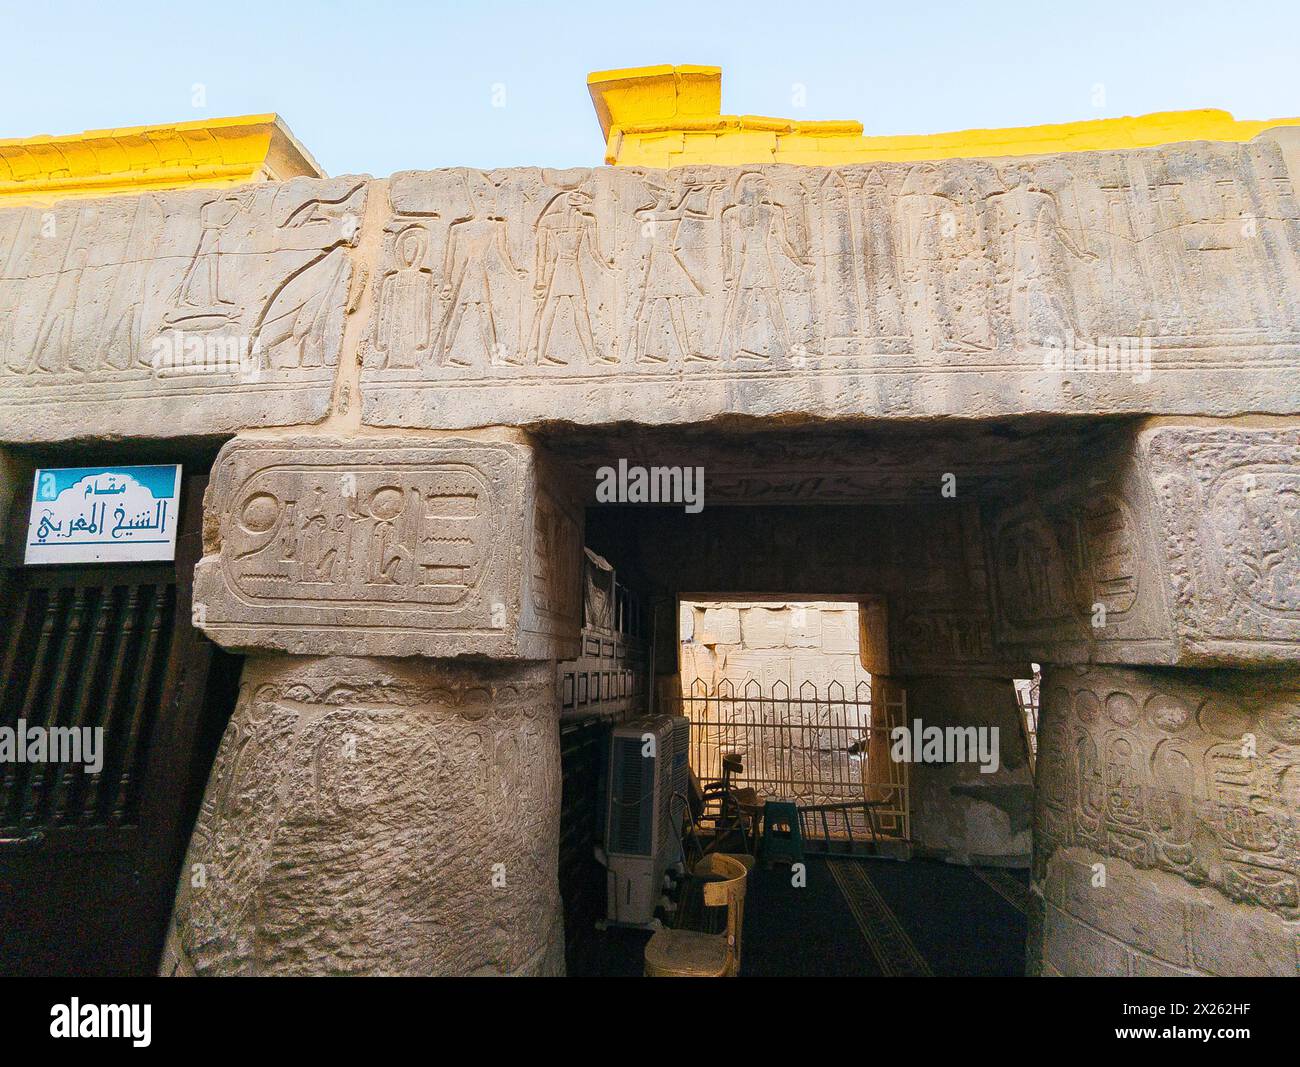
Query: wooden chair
{"type": "Point", "coordinates": [723, 807]}
{"type": "Point", "coordinates": [693, 953]}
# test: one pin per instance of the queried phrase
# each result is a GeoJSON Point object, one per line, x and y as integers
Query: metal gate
{"type": "Point", "coordinates": [827, 749]}
{"type": "Point", "coordinates": [89, 861]}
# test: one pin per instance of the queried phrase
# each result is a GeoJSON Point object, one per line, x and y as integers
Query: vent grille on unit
{"type": "Point", "coordinates": [630, 795]}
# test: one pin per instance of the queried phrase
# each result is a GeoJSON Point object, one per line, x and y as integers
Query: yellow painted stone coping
{"type": "Point", "coordinates": [670, 116]}
{"type": "Point", "coordinates": [220, 151]}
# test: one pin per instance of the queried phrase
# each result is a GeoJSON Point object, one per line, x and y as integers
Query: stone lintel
{"type": "Point", "coordinates": [1174, 543]}
{"type": "Point", "coordinates": [1086, 283]}
{"type": "Point", "coordinates": [184, 313]}
{"type": "Point", "coordinates": [390, 547]}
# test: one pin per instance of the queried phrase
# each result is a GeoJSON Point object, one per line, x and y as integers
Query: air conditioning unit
{"type": "Point", "coordinates": [640, 840]}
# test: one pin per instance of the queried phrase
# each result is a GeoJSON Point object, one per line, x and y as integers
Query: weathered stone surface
{"type": "Point", "coordinates": [890, 289]}
{"type": "Point", "coordinates": [197, 312]}
{"type": "Point", "coordinates": [1170, 544]}
{"type": "Point", "coordinates": [1102, 916]}
{"type": "Point", "coordinates": [1190, 772]}
{"type": "Point", "coordinates": [720, 625]}
{"type": "Point", "coordinates": [1077, 565]}
{"type": "Point", "coordinates": [380, 547]}
{"type": "Point", "coordinates": [378, 817]}
{"type": "Point", "coordinates": [765, 627]}
{"type": "Point", "coordinates": [840, 629]}
{"type": "Point", "coordinates": [717, 651]}
{"type": "Point", "coordinates": [1230, 502]}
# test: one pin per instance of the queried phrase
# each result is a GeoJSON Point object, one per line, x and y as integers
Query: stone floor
{"type": "Point", "coordinates": [863, 918]}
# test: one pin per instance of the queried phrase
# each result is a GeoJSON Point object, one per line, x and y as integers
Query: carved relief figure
{"type": "Point", "coordinates": [1032, 574]}
{"type": "Point", "coordinates": [292, 330]}
{"type": "Point", "coordinates": [404, 330]}
{"type": "Point", "coordinates": [941, 248]}
{"type": "Point", "coordinates": [667, 321]}
{"type": "Point", "coordinates": [884, 291]}
{"type": "Point", "coordinates": [1029, 242]}
{"type": "Point", "coordinates": [1125, 301]}
{"type": "Point", "coordinates": [843, 275]}
{"type": "Point", "coordinates": [758, 252]}
{"type": "Point", "coordinates": [197, 303]}
{"type": "Point", "coordinates": [567, 240]}
{"type": "Point", "coordinates": [481, 286]}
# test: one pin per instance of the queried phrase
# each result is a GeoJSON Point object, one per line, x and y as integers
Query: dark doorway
{"type": "Point", "coordinates": [89, 862]}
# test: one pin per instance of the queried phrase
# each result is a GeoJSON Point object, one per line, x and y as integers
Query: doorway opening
{"type": "Point", "coordinates": [780, 686]}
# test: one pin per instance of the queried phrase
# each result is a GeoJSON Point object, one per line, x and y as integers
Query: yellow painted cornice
{"type": "Point", "coordinates": [671, 116]}
{"type": "Point", "coordinates": [209, 152]}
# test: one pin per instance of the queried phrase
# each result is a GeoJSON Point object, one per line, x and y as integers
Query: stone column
{"type": "Point", "coordinates": [1158, 582]}
{"type": "Point", "coordinates": [941, 657]}
{"type": "Point", "coordinates": [386, 797]}
{"type": "Point", "coordinates": [1166, 832]}
{"type": "Point", "coordinates": [378, 816]}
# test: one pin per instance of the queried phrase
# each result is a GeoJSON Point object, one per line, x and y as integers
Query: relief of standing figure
{"type": "Point", "coordinates": [756, 243]}
{"type": "Point", "coordinates": [567, 237]}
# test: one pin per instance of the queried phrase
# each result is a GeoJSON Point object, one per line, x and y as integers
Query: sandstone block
{"type": "Point", "coordinates": [1172, 544]}
{"type": "Point", "coordinates": [379, 547]}
{"type": "Point", "coordinates": [1064, 284]}
{"type": "Point", "coordinates": [203, 311]}
{"type": "Point", "coordinates": [1187, 772]}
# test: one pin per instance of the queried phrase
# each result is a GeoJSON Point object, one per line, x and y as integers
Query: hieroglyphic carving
{"type": "Point", "coordinates": [557, 554]}
{"type": "Point", "coordinates": [180, 312]}
{"type": "Point", "coordinates": [1231, 502]}
{"type": "Point", "coordinates": [626, 283]}
{"type": "Point", "coordinates": [1060, 568]}
{"type": "Point", "coordinates": [941, 640]}
{"type": "Point", "coordinates": [1172, 543]}
{"type": "Point", "coordinates": [437, 548]}
{"type": "Point", "coordinates": [1176, 771]}
{"type": "Point", "coordinates": [378, 817]}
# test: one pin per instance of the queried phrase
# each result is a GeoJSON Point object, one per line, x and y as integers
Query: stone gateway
{"type": "Point", "coordinates": [1040, 407]}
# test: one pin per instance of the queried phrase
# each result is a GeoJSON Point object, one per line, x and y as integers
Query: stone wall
{"type": "Point", "coordinates": [814, 641]}
{"type": "Point", "coordinates": [802, 709]}
{"type": "Point", "coordinates": [959, 813]}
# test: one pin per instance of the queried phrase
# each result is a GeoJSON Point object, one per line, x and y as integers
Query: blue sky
{"type": "Point", "coordinates": [378, 87]}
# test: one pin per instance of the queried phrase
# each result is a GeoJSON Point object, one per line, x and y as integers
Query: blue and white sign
{"type": "Point", "coordinates": [97, 514]}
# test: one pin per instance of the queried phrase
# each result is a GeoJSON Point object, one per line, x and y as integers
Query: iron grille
{"type": "Point", "coordinates": [82, 656]}
{"type": "Point", "coordinates": [824, 748]}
